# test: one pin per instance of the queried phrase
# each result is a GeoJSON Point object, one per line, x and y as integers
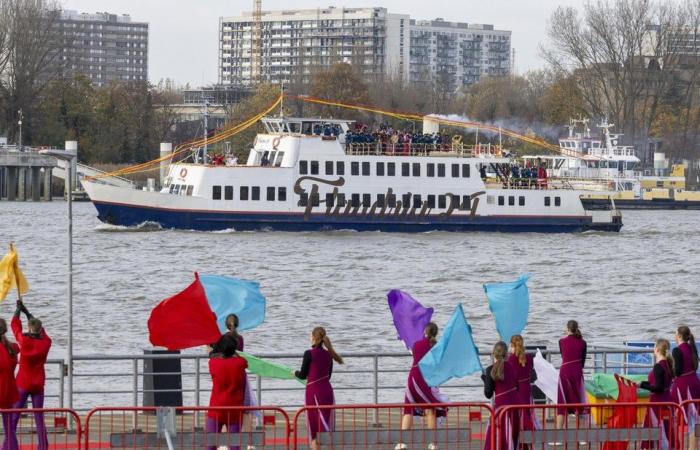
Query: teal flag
{"type": "Point", "coordinates": [227, 295]}
{"type": "Point", "coordinates": [509, 303]}
{"type": "Point", "coordinates": [455, 354]}
{"type": "Point", "coordinates": [267, 369]}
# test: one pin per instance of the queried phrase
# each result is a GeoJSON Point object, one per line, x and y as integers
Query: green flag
{"type": "Point", "coordinates": [266, 369]}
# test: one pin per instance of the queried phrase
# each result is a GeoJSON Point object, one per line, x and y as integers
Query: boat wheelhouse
{"type": "Point", "coordinates": [305, 174]}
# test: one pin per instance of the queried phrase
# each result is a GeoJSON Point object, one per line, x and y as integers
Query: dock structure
{"type": "Point", "coordinates": [25, 174]}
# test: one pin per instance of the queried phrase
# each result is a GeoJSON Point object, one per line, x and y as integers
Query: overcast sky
{"type": "Point", "coordinates": [183, 35]}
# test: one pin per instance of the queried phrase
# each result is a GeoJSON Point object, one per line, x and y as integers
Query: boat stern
{"type": "Point", "coordinates": [603, 213]}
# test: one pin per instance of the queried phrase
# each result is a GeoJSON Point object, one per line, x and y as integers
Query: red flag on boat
{"type": "Point", "coordinates": [184, 320]}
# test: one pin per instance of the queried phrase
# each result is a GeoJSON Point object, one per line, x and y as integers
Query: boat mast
{"type": "Point", "coordinates": [206, 130]}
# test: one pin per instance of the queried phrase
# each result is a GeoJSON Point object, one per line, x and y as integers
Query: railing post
{"type": "Point", "coordinates": [135, 387]}
{"type": "Point", "coordinates": [375, 384]}
{"type": "Point", "coordinates": [258, 386]}
{"type": "Point", "coordinates": [61, 382]}
{"type": "Point", "coordinates": [196, 389]}
{"type": "Point", "coordinates": [605, 362]}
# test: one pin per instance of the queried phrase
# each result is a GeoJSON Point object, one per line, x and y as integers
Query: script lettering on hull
{"type": "Point", "coordinates": [377, 209]}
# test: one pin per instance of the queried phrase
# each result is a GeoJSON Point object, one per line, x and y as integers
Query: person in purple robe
{"type": "Point", "coordinates": [316, 369]}
{"type": "Point", "coordinates": [659, 383]}
{"type": "Point", "coordinates": [686, 386]}
{"type": "Point", "coordinates": [571, 389]}
{"type": "Point", "coordinates": [526, 375]}
{"type": "Point", "coordinates": [501, 384]}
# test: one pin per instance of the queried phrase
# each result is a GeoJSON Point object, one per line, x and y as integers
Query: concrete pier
{"type": "Point", "coordinates": [21, 174]}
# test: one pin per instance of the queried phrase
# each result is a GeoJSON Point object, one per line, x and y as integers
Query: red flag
{"type": "Point", "coordinates": [184, 320]}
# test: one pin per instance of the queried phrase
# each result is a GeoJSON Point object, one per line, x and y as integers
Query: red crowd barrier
{"type": "Point", "coordinates": [613, 426]}
{"type": "Point", "coordinates": [186, 428]}
{"type": "Point", "coordinates": [464, 425]}
{"type": "Point", "coordinates": [63, 429]}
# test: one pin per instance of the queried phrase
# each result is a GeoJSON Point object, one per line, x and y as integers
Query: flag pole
{"type": "Point", "coordinates": [16, 270]}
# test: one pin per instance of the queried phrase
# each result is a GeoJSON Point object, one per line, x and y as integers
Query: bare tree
{"type": "Point", "coordinates": [31, 47]}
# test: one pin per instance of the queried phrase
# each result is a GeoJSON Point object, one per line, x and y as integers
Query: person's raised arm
{"type": "Point", "coordinates": [677, 361]}
{"type": "Point", "coordinates": [305, 366]}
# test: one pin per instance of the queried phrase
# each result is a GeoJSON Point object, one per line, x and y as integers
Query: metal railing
{"type": "Point", "coordinates": [416, 149]}
{"type": "Point", "coordinates": [365, 377]}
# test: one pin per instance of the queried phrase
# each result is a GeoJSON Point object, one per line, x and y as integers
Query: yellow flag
{"type": "Point", "coordinates": [10, 274]}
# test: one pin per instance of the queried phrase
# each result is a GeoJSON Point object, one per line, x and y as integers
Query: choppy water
{"type": "Point", "coordinates": [640, 283]}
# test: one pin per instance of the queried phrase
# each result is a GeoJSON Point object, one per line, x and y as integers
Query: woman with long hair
{"type": "Point", "coordinates": [8, 386]}
{"type": "Point", "coordinates": [417, 391]}
{"type": "Point", "coordinates": [686, 386]}
{"type": "Point", "coordinates": [659, 383]}
{"type": "Point", "coordinates": [501, 384]}
{"type": "Point", "coordinates": [571, 390]}
{"type": "Point", "coordinates": [316, 369]}
{"type": "Point", "coordinates": [526, 375]}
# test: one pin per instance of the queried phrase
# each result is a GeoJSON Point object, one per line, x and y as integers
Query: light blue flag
{"type": "Point", "coordinates": [509, 303]}
{"type": "Point", "coordinates": [455, 354]}
{"type": "Point", "coordinates": [233, 296]}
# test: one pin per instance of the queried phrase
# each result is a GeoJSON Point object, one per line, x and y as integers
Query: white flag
{"type": "Point", "coordinates": [547, 377]}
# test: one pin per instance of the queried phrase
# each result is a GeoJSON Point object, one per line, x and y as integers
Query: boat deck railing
{"type": "Point", "coordinates": [364, 378]}
{"type": "Point", "coordinates": [450, 149]}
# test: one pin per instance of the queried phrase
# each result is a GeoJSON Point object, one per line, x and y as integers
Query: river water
{"type": "Point", "coordinates": [636, 284]}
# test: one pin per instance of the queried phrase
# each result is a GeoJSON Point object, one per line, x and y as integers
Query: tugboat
{"type": "Point", "coordinates": [306, 174]}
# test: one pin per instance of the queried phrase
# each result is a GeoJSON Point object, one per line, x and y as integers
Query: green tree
{"type": "Point", "coordinates": [340, 83]}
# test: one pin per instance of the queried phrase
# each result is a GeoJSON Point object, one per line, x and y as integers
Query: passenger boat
{"type": "Point", "coordinates": [299, 178]}
{"type": "Point", "coordinates": [608, 170]}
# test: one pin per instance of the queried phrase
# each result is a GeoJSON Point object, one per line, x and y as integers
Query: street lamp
{"type": "Point", "coordinates": [19, 122]}
{"type": "Point", "coordinates": [68, 156]}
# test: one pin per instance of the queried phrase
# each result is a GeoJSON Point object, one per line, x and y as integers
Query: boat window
{"type": "Point", "coordinates": [295, 127]}
{"type": "Point", "coordinates": [176, 189]}
{"type": "Point", "coordinates": [255, 193]}
{"type": "Point", "coordinates": [303, 167]}
{"type": "Point", "coordinates": [612, 164]}
{"type": "Point", "coordinates": [406, 200]}
{"type": "Point", "coordinates": [442, 201]}
{"type": "Point", "coordinates": [521, 200]}
{"type": "Point", "coordinates": [172, 188]}
{"type": "Point", "coordinates": [340, 168]}
{"type": "Point", "coordinates": [304, 199]}
{"type": "Point", "coordinates": [380, 200]}
{"type": "Point", "coordinates": [270, 194]}
{"type": "Point", "coordinates": [355, 200]}
{"type": "Point", "coordinates": [441, 170]}
{"type": "Point", "coordinates": [547, 201]}
{"type": "Point", "coordinates": [329, 167]}
{"type": "Point", "coordinates": [315, 199]}
{"type": "Point", "coordinates": [391, 200]}
{"type": "Point", "coordinates": [243, 193]}
{"type": "Point", "coordinates": [631, 165]}
{"type": "Point", "coordinates": [490, 199]}
{"type": "Point", "coordinates": [431, 169]}
{"type": "Point", "coordinates": [380, 169]}
{"type": "Point", "coordinates": [603, 164]}
{"type": "Point", "coordinates": [455, 170]}
{"type": "Point", "coordinates": [659, 184]}
{"type": "Point", "coordinates": [190, 188]}
{"type": "Point", "coordinates": [314, 167]}
{"type": "Point", "coordinates": [391, 169]}
{"type": "Point", "coordinates": [511, 200]}
{"type": "Point", "coordinates": [330, 199]}
{"type": "Point", "coordinates": [431, 201]}
{"type": "Point", "coordinates": [466, 202]}
{"type": "Point", "coordinates": [405, 169]}
{"type": "Point", "coordinates": [416, 169]}
{"type": "Point", "coordinates": [280, 157]}
{"type": "Point", "coordinates": [557, 201]}
{"type": "Point", "coordinates": [417, 202]}
{"type": "Point", "coordinates": [465, 171]}
{"type": "Point", "coordinates": [341, 199]}
{"type": "Point", "coordinates": [501, 200]}
{"type": "Point", "coordinates": [183, 189]}
{"type": "Point", "coordinates": [282, 194]}
{"type": "Point", "coordinates": [228, 193]}
{"type": "Point", "coordinates": [366, 200]}
{"type": "Point", "coordinates": [216, 193]}
{"type": "Point", "coordinates": [365, 168]}
{"type": "Point", "coordinates": [354, 168]}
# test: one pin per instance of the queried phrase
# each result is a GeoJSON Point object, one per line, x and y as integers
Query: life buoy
{"type": "Point", "coordinates": [183, 172]}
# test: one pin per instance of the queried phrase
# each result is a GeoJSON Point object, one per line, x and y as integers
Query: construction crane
{"type": "Point", "coordinates": [256, 43]}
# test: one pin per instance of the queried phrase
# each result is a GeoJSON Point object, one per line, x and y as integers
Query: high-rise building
{"type": "Point", "coordinates": [457, 54]}
{"type": "Point", "coordinates": [104, 47]}
{"type": "Point", "coordinates": [295, 43]}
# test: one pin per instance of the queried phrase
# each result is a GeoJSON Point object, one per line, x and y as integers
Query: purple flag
{"type": "Point", "coordinates": [410, 317]}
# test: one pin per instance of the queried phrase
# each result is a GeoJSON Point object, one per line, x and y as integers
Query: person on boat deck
{"type": "Point", "coordinates": [659, 383]}
{"type": "Point", "coordinates": [686, 386]}
{"type": "Point", "coordinates": [482, 172]}
{"type": "Point", "coordinates": [34, 348]}
{"type": "Point", "coordinates": [8, 385]}
{"type": "Point", "coordinates": [228, 378]}
{"type": "Point", "coordinates": [417, 391]}
{"type": "Point", "coordinates": [317, 368]}
{"type": "Point", "coordinates": [501, 384]}
{"type": "Point", "coordinates": [264, 161]}
{"type": "Point", "coordinates": [526, 375]}
{"type": "Point", "coordinates": [573, 350]}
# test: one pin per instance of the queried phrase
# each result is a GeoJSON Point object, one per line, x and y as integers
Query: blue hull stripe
{"type": "Point", "coordinates": [129, 215]}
